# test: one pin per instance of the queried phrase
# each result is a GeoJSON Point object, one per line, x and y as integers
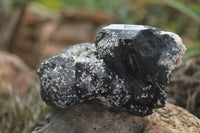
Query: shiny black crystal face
{"type": "Point", "coordinates": [139, 54]}
{"type": "Point", "coordinates": [128, 66]}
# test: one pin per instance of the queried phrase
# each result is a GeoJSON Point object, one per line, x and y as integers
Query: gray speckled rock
{"type": "Point", "coordinates": [128, 66]}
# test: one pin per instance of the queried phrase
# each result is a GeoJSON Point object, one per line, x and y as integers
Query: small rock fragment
{"type": "Point", "coordinates": [129, 65]}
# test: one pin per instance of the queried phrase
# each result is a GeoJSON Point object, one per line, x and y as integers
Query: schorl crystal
{"type": "Point", "coordinates": [128, 65]}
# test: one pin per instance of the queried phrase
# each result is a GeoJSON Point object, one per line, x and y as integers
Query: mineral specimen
{"type": "Point", "coordinates": [128, 65]}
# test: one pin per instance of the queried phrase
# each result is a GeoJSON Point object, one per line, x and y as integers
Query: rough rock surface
{"type": "Point", "coordinates": [176, 119]}
{"type": "Point", "coordinates": [129, 67]}
{"type": "Point", "coordinates": [95, 118]}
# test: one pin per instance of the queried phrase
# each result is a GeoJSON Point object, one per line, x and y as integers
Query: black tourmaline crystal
{"type": "Point", "coordinates": [128, 65]}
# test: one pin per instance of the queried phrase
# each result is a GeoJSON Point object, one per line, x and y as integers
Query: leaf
{"type": "Point", "coordinates": [190, 9]}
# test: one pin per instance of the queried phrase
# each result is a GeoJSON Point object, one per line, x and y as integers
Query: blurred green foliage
{"type": "Point", "coordinates": [21, 113]}
{"type": "Point", "coordinates": [193, 51]}
{"type": "Point", "coordinates": [51, 4]}
{"type": "Point", "coordinates": [182, 17]}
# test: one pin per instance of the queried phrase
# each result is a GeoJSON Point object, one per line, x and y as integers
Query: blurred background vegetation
{"type": "Point", "coordinates": [180, 16]}
{"type": "Point", "coordinates": [22, 112]}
